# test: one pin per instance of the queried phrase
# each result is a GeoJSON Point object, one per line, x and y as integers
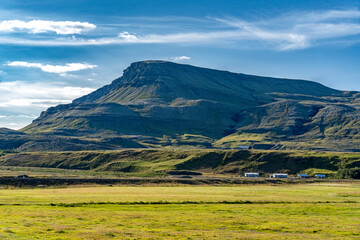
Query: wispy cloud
{"type": "Point", "coordinates": [318, 31]}
{"type": "Point", "coordinates": [288, 32]}
{"type": "Point", "coordinates": [15, 121]}
{"type": "Point", "coordinates": [58, 69]}
{"type": "Point", "coordinates": [21, 102]}
{"type": "Point", "coordinates": [41, 26]}
{"type": "Point", "coordinates": [31, 102]}
{"type": "Point", "coordinates": [25, 94]}
{"type": "Point", "coordinates": [284, 39]}
{"type": "Point", "coordinates": [302, 29]}
{"type": "Point", "coordinates": [330, 15]}
{"type": "Point", "coordinates": [18, 116]}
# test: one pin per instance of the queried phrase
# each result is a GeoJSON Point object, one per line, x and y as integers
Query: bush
{"type": "Point", "coordinates": [349, 173]}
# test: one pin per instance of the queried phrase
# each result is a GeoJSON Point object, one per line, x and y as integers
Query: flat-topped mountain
{"type": "Point", "coordinates": [158, 103]}
{"type": "Point", "coordinates": [162, 82]}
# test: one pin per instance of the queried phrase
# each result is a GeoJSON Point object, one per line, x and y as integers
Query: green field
{"type": "Point", "coordinates": [311, 211]}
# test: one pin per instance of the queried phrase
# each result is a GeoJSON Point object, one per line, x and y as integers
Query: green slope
{"type": "Point", "coordinates": [160, 162]}
{"type": "Point", "coordinates": [157, 103]}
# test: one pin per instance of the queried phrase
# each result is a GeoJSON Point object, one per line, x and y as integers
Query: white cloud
{"type": "Point", "coordinates": [58, 69]}
{"type": "Point", "coordinates": [181, 58]}
{"type": "Point", "coordinates": [127, 37]}
{"type": "Point", "coordinates": [24, 94]}
{"type": "Point", "coordinates": [18, 116]}
{"type": "Point", "coordinates": [2, 73]}
{"type": "Point", "coordinates": [28, 102]}
{"type": "Point", "coordinates": [318, 16]}
{"type": "Point", "coordinates": [192, 37]}
{"type": "Point", "coordinates": [14, 123]}
{"type": "Point", "coordinates": [327, 30]}
{"type": "Point", "coordinates": [21, 102]}
{"type": "Point", "coordinates": [284, 39]}
{"type": "Point", "coordinates": [41, 26]}
{"type": "Point", "coordinates": [297, 30]}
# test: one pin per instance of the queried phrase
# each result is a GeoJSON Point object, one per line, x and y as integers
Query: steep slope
{"type": "Point", "coordinates": [158, 81]}
{"type": "Point", "coordinates": [157, 103]}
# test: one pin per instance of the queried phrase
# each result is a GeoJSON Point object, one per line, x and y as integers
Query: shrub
{"type": "Point", "coordinates": [349, 173]}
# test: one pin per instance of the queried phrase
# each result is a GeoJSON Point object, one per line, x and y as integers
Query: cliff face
{"type": "Point", "coordinates": [157, 103]}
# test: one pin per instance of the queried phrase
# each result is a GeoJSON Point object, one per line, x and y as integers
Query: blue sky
{"type": "Point", "coordinates": [54, 51]}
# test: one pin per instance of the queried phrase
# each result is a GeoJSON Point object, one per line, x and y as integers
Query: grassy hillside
{"type": "Point", "coordinates": [159, 104]}
{"type": "Point", "coordinates": [160, 162]}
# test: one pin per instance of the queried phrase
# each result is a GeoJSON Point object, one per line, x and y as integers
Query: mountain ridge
{"type": "Point", "coordinates": [140, 70]}
{"type": "Point", "coordinates": [162, 104]}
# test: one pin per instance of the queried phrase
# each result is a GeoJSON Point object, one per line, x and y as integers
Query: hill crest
{"type": "Point", "coordinates": [159, 104]}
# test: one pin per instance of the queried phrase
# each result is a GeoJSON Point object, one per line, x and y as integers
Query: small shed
{"type": "Point", "coordinates": [252, 174]}
{"type": "Point", "coordinates": [279, 175]}
{"type": "Point", "coordinates": [320, 176]}
{"type": "Point", "coordinates": [303, 176]}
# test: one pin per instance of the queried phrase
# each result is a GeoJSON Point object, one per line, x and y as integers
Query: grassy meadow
{"type": "Point", "coordinates": [306, 211]}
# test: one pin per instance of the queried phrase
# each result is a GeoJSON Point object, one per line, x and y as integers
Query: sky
{"type": "Point", "coordinates": [52, 52]}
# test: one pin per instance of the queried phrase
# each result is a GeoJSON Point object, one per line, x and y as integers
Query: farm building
{"type": "Point", "coordinates": [252, 175]}
{"type": "Point", "coordinates": [303, 176]}
{"type": "Point", "coordinates": [279, 175]}
{"type": "Point", "coordinates": [320, 175]}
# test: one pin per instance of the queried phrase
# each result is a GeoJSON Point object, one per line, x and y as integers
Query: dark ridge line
{"type": "Point", "coordinates": [44, 182]}
{"type": "Point", "coordinates": [81, 204]}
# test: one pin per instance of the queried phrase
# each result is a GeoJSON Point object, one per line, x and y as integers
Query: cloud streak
{"type": "Point", "coordinates": [329, 15]}
{"type": "Point", "coordinates": [41, 26]}
{"type": "Point", "coordinates": [288, 32]}
{"type": "Point", "coordinates": [58, 69]}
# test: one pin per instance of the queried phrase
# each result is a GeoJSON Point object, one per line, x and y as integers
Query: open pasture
{"type": "Point", "coordinates": [311, 211]}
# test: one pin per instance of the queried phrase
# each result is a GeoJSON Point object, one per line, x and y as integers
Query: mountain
{"type": "Point", "coordinates": [159, 104]}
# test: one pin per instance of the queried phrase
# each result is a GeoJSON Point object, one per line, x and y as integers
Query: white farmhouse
{"type": "Point", "coordinates": [279, 175]}
{"type": "Point", "coordinates": [252, 174]}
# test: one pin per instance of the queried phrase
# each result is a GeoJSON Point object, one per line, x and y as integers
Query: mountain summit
{"type": "Point", "coordinates": [159, 82]}
{"type": "Point", "coordinates": [158, 103]}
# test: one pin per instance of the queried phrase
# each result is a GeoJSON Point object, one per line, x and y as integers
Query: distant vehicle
{"type": "Point", "coordinates": [320, 176]}
{"type": "Point", "coordinates": [252, 174]}
{"type": "Point", "coordinates": [279, 175]}
{"type": "Point", "coordinates": [303, 176]}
